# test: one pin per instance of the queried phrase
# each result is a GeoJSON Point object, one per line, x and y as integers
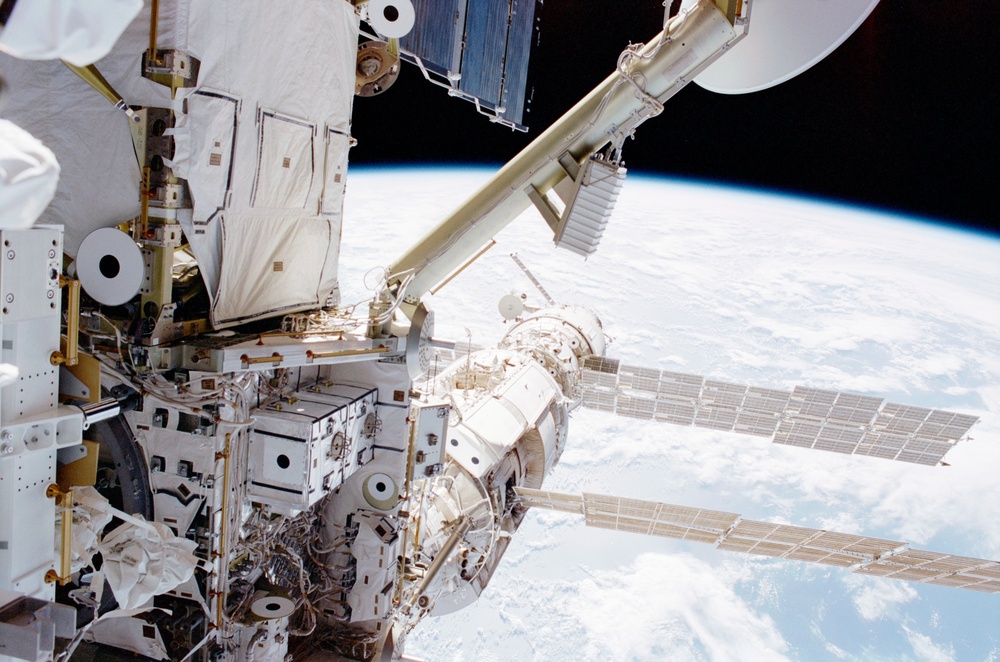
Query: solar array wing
{"type": "Point", "coordinates": [728, 531]}
{"type": "Point", "coordinates": [479, 48]}
{"type": "Point", "coordinates": [805, 417]}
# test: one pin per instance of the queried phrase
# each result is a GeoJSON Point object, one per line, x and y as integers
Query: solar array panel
{"type": "Point", "coordinates": [918, 565]}
{"type": "Point", "coordinates": [479, 47]}
{"type": "Point", "coordinates": [727, 531]}
{"type": "Point", "coordinates": [805, 417]}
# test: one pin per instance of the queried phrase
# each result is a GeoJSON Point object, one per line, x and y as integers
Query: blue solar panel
{"type": "Point", "coordinates": [519, 41]}
{"type": "Point", "coordinates": [486, 44]}
{"type": "Point", "coordinates": [436, 37]}
{"type": "Point", "coordinates": [485, 49]}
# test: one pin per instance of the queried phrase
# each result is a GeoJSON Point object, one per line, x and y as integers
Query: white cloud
{"type": "Point", "coordinates": [878, 597]}
{"type": "Point", "coordinates": [671, 607]}
{"type": "Point", "coordinates": [831, 648]}
{"type": "Point", "coordinates": [925, 649]}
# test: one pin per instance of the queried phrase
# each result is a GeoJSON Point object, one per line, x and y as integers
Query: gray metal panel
{"type": "Point", "coordinates": [722, 394]}
{"type": "Point", "coordinates": [766, 400]}
{"type": "Point", "coordinates": [678, 413]}
{"type": "Point", "coordinates": [600, 400]}
{"type": "Point", "coordinates": [838, 439]}
{"type": "Point", "coordinates": [945, 425]}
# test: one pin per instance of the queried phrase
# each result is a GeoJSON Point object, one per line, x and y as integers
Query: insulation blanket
{"type": "Point", "coordinates": [99, 175]}
{"type": "Point", "coordinates": [78, 31]}
{"type": "Point", "coordinates": [261, 140]}
{"type": "Point", "coordinates": [28, 176]}
{"type": "Point", "coordinates": [140, 559]}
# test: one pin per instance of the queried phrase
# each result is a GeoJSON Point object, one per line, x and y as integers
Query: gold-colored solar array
{"type": "Point", "coordinates": [727, 531]}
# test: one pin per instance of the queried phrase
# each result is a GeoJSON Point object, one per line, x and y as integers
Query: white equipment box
{"type": "Point", "coordinates": [310, 443]}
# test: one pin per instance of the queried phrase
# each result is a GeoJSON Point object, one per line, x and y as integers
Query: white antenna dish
{"type": "Point", "coordinates": [786, 37]}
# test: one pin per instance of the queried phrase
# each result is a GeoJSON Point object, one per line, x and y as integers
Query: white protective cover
{"type": "Point", "coordinates": [78, 31]}
{"type": "Point", "coordinates": [140, 559]}
{"type": "Point", "coordinates": [275, 92]}
{"type": "Point", "coordinates": [256, 140]}
{"type": "Point", "coordinates": [28, 177]}
{"type": "Point", "coordinates": [99, 177]}
{"type": "Point", "coordinates": [143, 561]}
{"type": "Point", "coordinates": [91, 513]}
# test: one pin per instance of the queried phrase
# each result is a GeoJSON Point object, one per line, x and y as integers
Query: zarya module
{"type": "Point", "coordinates": [204, 455]}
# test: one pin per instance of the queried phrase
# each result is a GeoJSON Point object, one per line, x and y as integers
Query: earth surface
{"type": "Point", "coordinates": [754, 288]}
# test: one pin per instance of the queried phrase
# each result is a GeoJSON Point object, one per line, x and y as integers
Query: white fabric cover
{"type": "Point", "coordinates": [335, 173]}
{"type": "Point", "coordinates": [141, 559]}
{"type": "Point", "coordinates": [285, 163]}
{"type": "Point", "coordinates": [99, 179]}
{"type": "Point", "coordinates": [203, 139]}
{"type": "Point", "coordinates": [285, 259]}
{"type": "Point", "coordinates": [293, 73]}
{"type": "Point", "coordinates": [28, 176]}
{"type": "Point", "coordinates": [291, 60]}
{"type": "Point", "coordinates": [91, 513]}
{"type": "Point", "coordinates": [147, 560]}
{"type": "Point", "coordinates": [78, 31]}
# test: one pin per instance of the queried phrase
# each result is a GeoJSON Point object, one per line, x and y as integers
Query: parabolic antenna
{"type": "Point", "coordinates": [786, 37]}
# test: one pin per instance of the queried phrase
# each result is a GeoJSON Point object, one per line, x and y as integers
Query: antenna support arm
{"type": "Point", "coordinates": [644, 79]}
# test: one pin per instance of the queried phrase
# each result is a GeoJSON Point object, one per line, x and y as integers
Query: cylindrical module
{"type": "Point", "coordinates": [509, 426]}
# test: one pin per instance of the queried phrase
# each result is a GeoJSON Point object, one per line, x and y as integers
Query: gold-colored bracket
{"type": "Point", "coordinates": [274, 358]}
{"type": "Point", "coordinates": [154, 19]}
{"type": "Point", "coordinates": [72, 355]}
{"type": "Point", "coordinates": [312, 356]}
{"type": "Point", "coordinates": [64, 500]}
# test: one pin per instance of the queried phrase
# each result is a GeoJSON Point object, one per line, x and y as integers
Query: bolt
{"type": "Point", "coordinates": [10, 298]}
{"type": "Point", "coordinates": [50, 294]}
{"type": "Point", "coordinates": [6, 449]}
{"type": "Point", "coordinates": [10, 255]}
{"type": "Point", "coordinates": [6, 435]}
{"type": "Point", "coordinates": [52, 254]}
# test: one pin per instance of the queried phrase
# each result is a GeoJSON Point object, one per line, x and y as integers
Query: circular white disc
{"type": "Point", "coordinates": [109, 265]}
{"type": "Point", "coordinates": [272, 606]}
{"type": "Point", "coordinates": [391, 18]}
{"type": "Point", "coordinates": [786, 37]}
{"type": "Point", "coordinates": [511, 306]}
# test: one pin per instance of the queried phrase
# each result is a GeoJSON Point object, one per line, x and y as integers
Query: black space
{"type": "Point", "coordinates": [902, 116]}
